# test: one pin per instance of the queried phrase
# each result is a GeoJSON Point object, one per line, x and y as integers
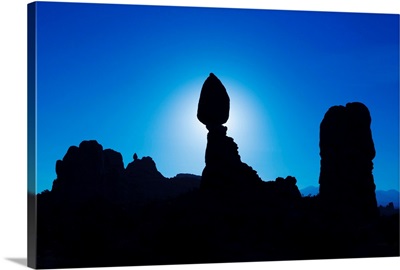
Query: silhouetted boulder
{"type": "Point", "coordinates": [213, 107]}
{"type": "Point", "coordinates": [347, 149]}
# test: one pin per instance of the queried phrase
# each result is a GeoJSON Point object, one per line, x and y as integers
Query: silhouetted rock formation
{"type": "Point", "coordinates": [224, 169]}
{"type": "Point", "coordinates": [143, 183]}
{"type": "Point", "coordinates": [85, 170]}
{"type": "Point", "coordinates": [88, 172]}
{"type": "Point", "coordinates": [143, 169]}
{"type": "Point", "coordinates": [101, 214]}
{"type": "Point", "coordinates": [287, 189]}
{"type": "Point", "coordinates": [347, 186]}
{"type": "Point", "coordinates": [213, 109]}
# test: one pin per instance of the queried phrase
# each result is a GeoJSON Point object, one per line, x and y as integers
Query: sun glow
{"type": "Point", "coordinates": [248, 120]}
{"type": "Point", "coordinates": [185, 137]}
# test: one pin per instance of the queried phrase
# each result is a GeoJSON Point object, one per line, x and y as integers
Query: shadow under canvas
{"type": "Point", "coordinates": [20, 261]}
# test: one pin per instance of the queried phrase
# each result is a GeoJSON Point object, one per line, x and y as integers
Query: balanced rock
{"type": "Point", "coordinates": [224, 169]}
{"type": "Point", "coordinates": [347, 149]}
{"type": "Point", "coordinates": [213, 107]}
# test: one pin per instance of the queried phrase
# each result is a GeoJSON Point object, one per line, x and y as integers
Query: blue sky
{"type": "Point", "coordinates": [130, 77]}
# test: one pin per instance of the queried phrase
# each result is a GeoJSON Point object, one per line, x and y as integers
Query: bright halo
{"type": "Point", "coordinates": [185, 137]}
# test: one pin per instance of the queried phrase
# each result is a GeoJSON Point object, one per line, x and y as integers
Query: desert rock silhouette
{"type": "Point", "coordinates": [347, 150]}
{"type": "Point", "coordinates": [100, 213]}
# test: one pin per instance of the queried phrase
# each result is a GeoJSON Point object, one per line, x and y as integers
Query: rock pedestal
{"type": "Point", "coordinates": [347, 149]}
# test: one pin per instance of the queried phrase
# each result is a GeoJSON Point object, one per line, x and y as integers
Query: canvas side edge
{"type": "Point", "coordinates": [31, 128]}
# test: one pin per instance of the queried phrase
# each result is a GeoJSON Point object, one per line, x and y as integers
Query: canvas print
{"type": "Point", "coordinates": [162, 135]}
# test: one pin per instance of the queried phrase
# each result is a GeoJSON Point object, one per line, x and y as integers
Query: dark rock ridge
{"type": "Point", "coordinates": [89, 172]}
{"type": "Point", "coordinates": [383, 197]}
{"type": "Point", "coordinates": [389, 196]}
{"type": "Point", "coordinates": [347, 150]}
{"type": "Point", "coordinates": [130, 217]}
{"type": "Point", "coordinates": [143, 169]}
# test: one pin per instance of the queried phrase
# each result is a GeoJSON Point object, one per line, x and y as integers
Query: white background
{"type": "Point", "coordinates": [13, 131]}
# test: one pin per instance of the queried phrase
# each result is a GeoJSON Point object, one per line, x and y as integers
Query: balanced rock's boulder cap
{"type": "Point", "coordinates": [213, 107]}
